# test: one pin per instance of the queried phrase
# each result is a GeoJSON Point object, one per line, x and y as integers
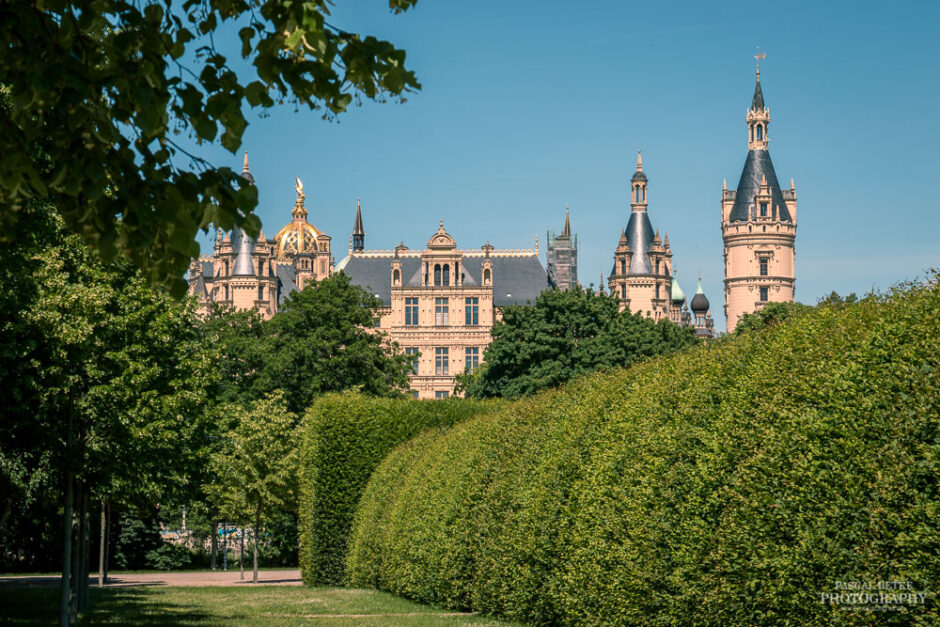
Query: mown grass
{"type": "Point", "coordinates": [261, 605]}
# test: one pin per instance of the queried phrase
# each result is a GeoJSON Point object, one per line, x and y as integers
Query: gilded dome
{"type": "Point", "coordinates": [298, 236]}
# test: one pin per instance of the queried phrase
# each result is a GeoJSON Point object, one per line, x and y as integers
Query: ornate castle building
{"type": "Point", "coordinates": [561, 257]}
{"type": "Point", "coordinates": [439, 303]}
{"type": "Point", "coordinates": [259, 274]}
{"type": "Point", "coordinates": [758, 226]}
{"type": "Point", "coordinates": [642, 277]}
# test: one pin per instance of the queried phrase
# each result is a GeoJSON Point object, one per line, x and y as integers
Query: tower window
{"type": "Point", "coordinates": [441, 360]}
{"type": "Point", "coordinates": [623, 292]}
{"type": "Point", "coordinates": [763, 210]}
{"type": "Point", "coordinates": [486, 276]}
{"type": "Point", "coordinates": [623, 266]}
{"type": "Point", "coordinates": [472, 311]}
{"type": "Point", "coordinates": [396, 277]}
{"type": "Point", "coordinates": [763, 267]}
{"type": "Point", "coordinates": [260, 292]}
{"type": "Point", "coordinates": [441, 306]}
{"type": "Point", "coordinates": [760, 132]}
{"type": "Point", "coordinates": [437, 274]}
{"type": "Point", "coordinates": [763, 294]}
{"type": "Point", "coordinates": [446, 280]}
{"type": "Point", "coordinates": [411, 312]}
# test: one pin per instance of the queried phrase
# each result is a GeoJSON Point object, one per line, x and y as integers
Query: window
{"type": "Point", "coordinates": [260, 268]}
{"type": "Point", "coordinates": [260, 292]}
{"type": "Point", "coordinates": [396, 277]}
{"type": "Point", "coordinates": [763, 210]}
{"type": "Point", "coordinates": [760, 132]}
{"type": "Point", "coordinates": [486, 276]}
{"type": "Point", "coordinates": [413, 354]}
{"type": "Point", "coordinates": [411, 312]}
{"type": "Point", "coordinates": [657, 291]}
{"type": "Point", "coordinates": [441, 360]}
{"type": "Point", "coordinates": [414, 393]}
{"type": "Point", "coordinates": [441, 394]}
{"type": "Point", "coordinates": [437, 274]}
{"type": "Point", "coordinates": [623, 292]}
{"type": "Point", "coordinates": [763, 267]}
{"type": "Point", "coordinates": [377, 322]}
{"type": "Point", "coordinates": [623, 266]}
{"type": "Point", "coordinates": [763, 294]}
{"type": "Point", "coordinates": [440, 312]}
{"type": "Point", "coordinates": [472, 311]}
{"type": "Point", "coordinates": [446, 280]}
{"type": "Point", "coordinates": [472, 357]}
{"type": "Point", "coordinates": [226, 292]}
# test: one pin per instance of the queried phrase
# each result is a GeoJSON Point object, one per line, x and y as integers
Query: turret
{"type": "Point", "coordinates": [359, 233]}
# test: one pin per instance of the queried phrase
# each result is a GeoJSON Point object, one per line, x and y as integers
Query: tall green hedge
{"type": "Point", "coordinates": [735, 483]}
{"type": "Point", "coordinates": [345, 437]}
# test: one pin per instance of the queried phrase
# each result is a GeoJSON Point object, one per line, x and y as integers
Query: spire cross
{"type": "Point", "coordinates": [759, 56]}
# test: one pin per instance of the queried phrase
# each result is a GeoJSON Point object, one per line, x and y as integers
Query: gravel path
{"type": "Point", "coordinates": [185, 579]}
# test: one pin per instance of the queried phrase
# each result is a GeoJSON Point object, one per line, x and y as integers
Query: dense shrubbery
{"type": "Point", "coordinates": [732, 484]}
{"type": "Point", "coordinates": [345, 438]}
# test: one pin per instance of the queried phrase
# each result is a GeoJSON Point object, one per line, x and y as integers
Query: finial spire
{"type": "Point", "coordinates": [245, 169]}
{"type": "Point", "coordinates": [299, 211]}
{"type": "Point", "coordinates": [759, 55]}
{"type": "Point", "coordinates": [359, 233]}
{"type": "Point", "coordinates": [639, 161]}
{"type": "Point", "coordinates": [566, 232]}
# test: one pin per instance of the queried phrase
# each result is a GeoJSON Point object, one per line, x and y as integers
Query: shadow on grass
{"type": "Point", "coordinates": [24, 605]}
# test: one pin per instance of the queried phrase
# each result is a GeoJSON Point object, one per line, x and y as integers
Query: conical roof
{"type": "Point", "coordinates": [566, 232]}
{"type": "Point", "coordinates": [244, 245]}
{"type": "Point", "coordinates": [757, 167]}
{"type": "Point", "coordinates": [757, 102]}
{"type": "Point", "coordinates": [357, 227]}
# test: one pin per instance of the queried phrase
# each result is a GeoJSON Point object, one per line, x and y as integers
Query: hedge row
{"type": "Point", "coordinates": [732, 484]}
{"type": "Point", "coordinates": [345, 437]}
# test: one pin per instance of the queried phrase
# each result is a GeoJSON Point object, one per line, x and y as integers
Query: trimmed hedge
{"type": "Point", "coordinates": [735, 483]}
{"type": "Point", "coordinates": [345, 438]}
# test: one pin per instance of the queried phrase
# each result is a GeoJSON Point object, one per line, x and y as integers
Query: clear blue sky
{"type": "Point", "coordinates": [529, 105]}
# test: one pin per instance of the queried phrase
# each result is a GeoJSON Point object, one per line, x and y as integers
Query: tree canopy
{"type": "Point", "coordinates": [565, 334]}
{"type": "Point", "coordinates": [96, 94]}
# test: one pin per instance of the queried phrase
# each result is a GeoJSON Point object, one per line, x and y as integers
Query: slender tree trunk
{"type": "Point", "coordinates": [85, 558]}
{"type": "Point", "coordinates": [254, 533]}
{"type": "Point", "coordinates": [215, 544]}
{"type": "Point", "coordinates": [103, 539]}
{"type": "Point", "coordinates": [76, 553]}
{"type": "Point", "coordinates": [107, 542]}
{"type": "Point", "coordinates": [66, 584]}
{"type": "Point", "coordinates": [241, 551]}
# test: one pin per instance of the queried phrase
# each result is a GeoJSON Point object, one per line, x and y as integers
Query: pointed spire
{"type": "Point", "coordinates": [724, 185]}
{"type": "Point", "coordinates": [246, 171]}
{"type": "Point", "coordinates": [666, 241]}
{"type": "Point", "coordinates": [359, 233]}
{"type": "Point", "coordinates": [792, 185]}
{"type": "Point", "coordinates": [639, 161]}
{"type": "Point", "coordinates": [566, 232]}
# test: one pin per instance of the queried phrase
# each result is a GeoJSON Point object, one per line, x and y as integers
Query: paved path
{"type": "Point", "coordinates": [187, 579]}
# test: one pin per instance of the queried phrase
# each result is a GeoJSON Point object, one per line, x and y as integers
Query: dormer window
{"type": "Point", "coordinates": [763, 210]}
{"type": "Point", "coordinates": [396, 277]}
{"type": "Point", "coordinates": [760, 132]}
{"type": "Point", "coordinates": [486, 276]}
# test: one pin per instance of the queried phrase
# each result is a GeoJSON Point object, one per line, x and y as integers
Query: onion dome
{"type": "Point", "coordinates": [676, 295]}
{"type": "Point", "coordinates": [638, 175]}
{"type": "Point", "coordinates": [246, 172]}
{"type": "Point", "coordinates": [299, 236]}
{"type": "Point", "coordinates": [699, 302]}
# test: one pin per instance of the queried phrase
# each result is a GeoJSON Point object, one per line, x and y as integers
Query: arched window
{"type": "Point", "coordinates": [446, 280]}
{"type": "Point", "coordinates": [437, 274]}
{"type": "Point", "coordinates": [760, 132]}
{"type": "Point", "coordinates": [752, 133]}
{"type": "Point", "coordinates": [623, 266]}
{"type": "Point", "coordinates": [396, 277]}
{"type": "Point", "coordinates": [486, 276]}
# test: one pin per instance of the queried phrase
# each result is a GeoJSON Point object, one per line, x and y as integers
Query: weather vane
{"type": "Point", "coordinates": [760, 55]}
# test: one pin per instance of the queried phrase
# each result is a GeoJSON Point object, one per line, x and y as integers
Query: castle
{"type": "Point", "coordinates": [438, 303]}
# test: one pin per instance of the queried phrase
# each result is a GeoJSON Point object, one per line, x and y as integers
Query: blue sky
{"type": "Point", "coordinates": [529, 105]}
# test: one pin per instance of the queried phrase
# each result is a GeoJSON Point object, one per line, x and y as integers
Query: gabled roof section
{"type": "Point", "coordinates": [757, 166]}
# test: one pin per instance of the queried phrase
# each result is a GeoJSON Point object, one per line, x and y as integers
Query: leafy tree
{"type": "Point", "coordinates": [105, 87]}
{"type": "Point", "coordinates": [256, 469]}
{"type": "Point", "coordinates": [771, 315]}
{"type": "Point", "coordinates": [566, 334]}
{"type": "Point", "coordinates": [320, 342]}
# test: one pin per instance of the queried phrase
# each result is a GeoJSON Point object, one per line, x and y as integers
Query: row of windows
{"type": "Point", "coordinates": [442, 311]}
{"type": "Point", "coordinates": [437, 394]}
{"type": "Point", "coordinates": [442, 359]}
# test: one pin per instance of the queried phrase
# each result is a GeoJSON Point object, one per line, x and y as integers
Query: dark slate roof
{"type": "Point", "coordinates": [756, 166]}
{"type": "Point", "coordinates": [516, 280]}
{"type": "Point", "coordinates": [243, 245]}
{"type": "Point", "coordinates": [639, 239]}
{"type": "Point", "coordinates": [285, 282]}
{"type": "Point", "coordinates": [208, 269]}
{"type": "Point", "coordinates": [638, 176]}
{"type": "Point", "coordinates": [757, 103]}
{"type": "Point", "coordinates": [699, 303]}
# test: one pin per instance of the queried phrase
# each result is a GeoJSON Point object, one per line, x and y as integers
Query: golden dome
{"type": "Point", "coordinates": [298, 236]}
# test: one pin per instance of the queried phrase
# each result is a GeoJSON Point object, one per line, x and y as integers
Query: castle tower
{"type": "Point", "coordinates": [701, 309]}
{"type": "Point", "coordinates": [302, 245]}
{"type": "Point", "coordinates": [561, 257]}
{"type": "Point", "coordinates": [642, 274]}
{"type": "Point", "coordinates": [758, 225]}
{"type": "Point", "coordinates": [359, 233]}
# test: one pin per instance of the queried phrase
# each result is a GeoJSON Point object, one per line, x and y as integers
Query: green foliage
{"type": "Point", "coordinates": [169, 557]}
{"type": "Point", "coordinates": [95, 92]}
{"type": "Point", "coordinates": [566, 334]}
{"type": "Point", "coordinates": [732, 484]}
{"type": "Point", "coordinates": [770, 315]}
{"type": "Point", "coordinates": [321, 341]}
{"type": "Point", "coordinates": [345, 436]}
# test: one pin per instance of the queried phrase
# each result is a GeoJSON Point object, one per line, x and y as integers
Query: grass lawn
{"type": "Point", "coordinates": [281, 605]}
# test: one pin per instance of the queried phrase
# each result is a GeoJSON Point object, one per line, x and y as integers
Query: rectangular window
{"type": "Point", "coordinates": [440, 311]}
{"type": "Point", "coordinates": [472, 356]}
{"type": "Point", "coordinates": [472, 311]}
{"type": "Point", "coordinates": [441, 360]}
{"type": "Point", "coordinates": [763, 267]}
{"type": "Point", "coordinates": [763, 210]}
{"type": "Point", "coordinates": [413, 354]}
{"type": "Point", "coordinates": [411, 312]}
{"type": "Point", "coordinates": [763, 294]}
{"type": "Point", "coordinates": [441, 394]}
{"type": "Point", "coordinates": [376, 322]}
{"type": "Point", "coordinates": [414, 393]}
{"type": "Point", "coordinates": [260, 292]}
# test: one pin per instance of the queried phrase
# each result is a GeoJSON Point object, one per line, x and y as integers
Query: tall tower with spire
{"type": "Point", "coordinates": [758, 225]}
{"type": "Point", "coordinates": [561, 257]}
{"type": "Point", "coordinates": [642, 274]}
{"type": "Point", "coordinates": [359, 233]}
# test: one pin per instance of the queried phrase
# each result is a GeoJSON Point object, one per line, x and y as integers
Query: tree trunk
{"type": "Point", "coordinates": [107, 542]}
{"type": "Point", "coordinates": [241, 551]}
{"type": "Point", "coordinates": [254, 533]}
{"type": "Point", "coordinates": [76, 553]}
{"type": "Point", "coordinates": [66, 583]}
{"type": "Point", "coordinates": [85, 558]}
{"type": "Point", "coordinates": [215, 544]}
{"type": "Point", "coordinates": [103, 539]}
